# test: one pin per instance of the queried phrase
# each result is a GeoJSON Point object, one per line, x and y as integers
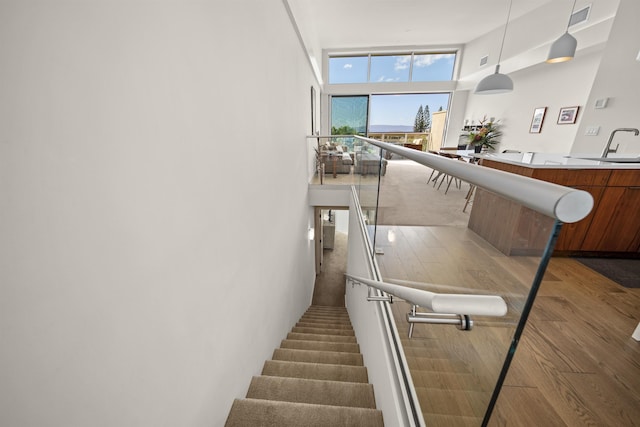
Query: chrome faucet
{"type": "Point", "coordinates": [607, 149]}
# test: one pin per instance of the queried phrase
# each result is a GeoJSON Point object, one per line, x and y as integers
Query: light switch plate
{"type": "Point", "coordinates": [601, 103]}
{"type": "Point", "coordinates": [592, 130]}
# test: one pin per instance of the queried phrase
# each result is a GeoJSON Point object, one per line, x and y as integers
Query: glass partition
{"type": "Point", "coordinates": [434, 232]}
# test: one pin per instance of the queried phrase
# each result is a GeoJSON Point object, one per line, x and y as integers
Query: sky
{"type": "Point", "coordinates": [391, 68]}
{"type": "Point", "coordinates": [392, 109]}
{"type": "Point", "coordinates": [402, 109]}
{"type": "Point", "coordinates": [395, 110]}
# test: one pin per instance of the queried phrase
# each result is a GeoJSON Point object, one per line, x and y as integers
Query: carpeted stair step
{"type": "Point", "coordinates": [315, 371]}
{"type": "Point", "coordinates": [322, 331]}
{"type": "Point", "coordinates": [321, 346]}
{"type": "Point", "coordinates": [331, 310]}
{"type": "Point", "coordinates": [319, 316]}
{"type": "Point", "coordinates": [327, 308]}
{"type": "Point", "coordinates": [319, 337]}
{"type": "Point", "coordinates": [316, 378]}
{"type": "Point", "coordinates": [320, 392]}
{"type": "Point", "coordinates": [324, 325]}
{"type": "Point", "coordinates": [312, 356]}
{"type": "Point", "coordinates": [325, 315]}
{"type": "Point", "coordinates": [268, 413]}
{"type": "Point", "coordinates": [328, 321]}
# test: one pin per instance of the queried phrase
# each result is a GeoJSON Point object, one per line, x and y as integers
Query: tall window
{"type": "Point", "coordinates": [407, 67]}
{"type": "Point", "coordinates": [353, 69]}
{"type": "Point", "coordinates": [399, 113]}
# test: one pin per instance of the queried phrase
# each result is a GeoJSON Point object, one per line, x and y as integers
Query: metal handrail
{"type": "Point", "coordinates": [556, 201]}
{"type": "Point", "coordinates": [477, 305]}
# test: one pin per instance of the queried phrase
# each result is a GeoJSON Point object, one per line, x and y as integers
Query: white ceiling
{"type": "Point", "coordinates": [336, 24]}
{"type": "Point", "coordinates": [477, 25]}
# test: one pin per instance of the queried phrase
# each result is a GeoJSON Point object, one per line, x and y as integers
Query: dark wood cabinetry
{"type": "Point", "coordinates": [612, 227]}
{"type": "Point", "coordinates": [616, 220]}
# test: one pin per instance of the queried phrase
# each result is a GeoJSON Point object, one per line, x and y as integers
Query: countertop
{"type": "Point", "coordinates": [555, 161]}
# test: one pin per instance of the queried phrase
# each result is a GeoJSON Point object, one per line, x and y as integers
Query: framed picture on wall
{"type": "Point", "coordinates": [568, 115]}
{"type": "Point", "coordinates": [538, 118]}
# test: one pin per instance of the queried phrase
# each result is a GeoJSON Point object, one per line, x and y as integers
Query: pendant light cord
{"type": "Point", "coordinates": [505, 31]}
{"type": "Point", "coordinates": [571, 14]}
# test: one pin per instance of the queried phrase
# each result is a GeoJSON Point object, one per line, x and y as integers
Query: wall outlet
{"type": "Point", "coordinates": [592, 130]}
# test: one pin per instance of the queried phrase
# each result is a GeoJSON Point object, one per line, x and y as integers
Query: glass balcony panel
{"type": "Point", "coordinates": [423, 237]}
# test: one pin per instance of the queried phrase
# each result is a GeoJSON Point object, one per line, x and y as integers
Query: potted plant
{"type": "Point", "coordinates": [486, 136]}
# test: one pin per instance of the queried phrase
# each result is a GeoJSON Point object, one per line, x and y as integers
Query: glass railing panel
{"type": "Point", "coordinates": [345, 160]}
{"type": "Point", "coordinates": [370, 166]}
{"type": "Point", "coordinates": [434, 232]}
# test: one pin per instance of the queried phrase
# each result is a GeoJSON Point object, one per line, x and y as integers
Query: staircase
{"type": "Point", "coordinates": [316, 378]}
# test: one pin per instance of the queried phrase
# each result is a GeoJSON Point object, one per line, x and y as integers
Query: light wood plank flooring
{"type": "Point", "coordinates": [575, 365]}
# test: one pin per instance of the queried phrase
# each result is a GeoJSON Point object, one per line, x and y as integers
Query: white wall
{"type": "Point", "coordinates": [600, 70]}
{"type": "Point", "coordinates": [546, 85]}
{"type": "Point", "coordinates": [144, 272]}
{"type": "Point", "coordinates": [618, 78]}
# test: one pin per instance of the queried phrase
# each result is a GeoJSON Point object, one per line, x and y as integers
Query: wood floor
{"type": "Point", "coordinates": [576, 364]}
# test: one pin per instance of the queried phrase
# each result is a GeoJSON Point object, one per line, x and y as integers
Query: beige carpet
{"type": "Point", "coordinates": [316, 378]}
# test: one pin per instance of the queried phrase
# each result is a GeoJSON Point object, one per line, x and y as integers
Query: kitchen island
{"type": "Point", "coordinates": [611, 229]}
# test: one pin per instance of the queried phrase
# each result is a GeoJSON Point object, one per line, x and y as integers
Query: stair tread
{"type": "Point", "coordinates": [304, 390]}
{"type": "Point", "coordinates": [321, 337]}
{"type": "Point", "coordinates": [328, 308]}
{"type": "Point", "coordinates": [335, 315]}
{"type": "Point", "coordinates": [328, 320]}
{"type": "Point", "coordinates": [341, 314]}
{"type": "Point", "coordinates": [323, 325]}
{"type": "Point", "coordinates": [343, 347]}
{"type": "Point", "coordinates": [331, 357]}
{"type": "Point", "coordinates": [318, 371]}
{"type": "Point", "coordinates": [322, 331]}
{"type": "Point", "coordinates": [267, 413]}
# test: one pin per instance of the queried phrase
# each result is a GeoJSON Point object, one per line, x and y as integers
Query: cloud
{"type": "Point", "coordinates": [402, 63]}
{"type": "Point", "coordinates": [348, 66]}
{"type": "Point", "coordinates": [426, 60]}
{"type": "Point", "coordinates": [388, 79]}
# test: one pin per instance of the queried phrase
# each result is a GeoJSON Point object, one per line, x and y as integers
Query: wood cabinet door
{"type": "Point", "coordinates": [572, 235]}
{"type": "Point", "coordinates": [616, 223]}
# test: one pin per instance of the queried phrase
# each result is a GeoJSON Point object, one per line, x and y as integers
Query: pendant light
{"type": "Point", "coordinates": [497, 82]}
{"type": "Point", "coordinates": [563, 49]}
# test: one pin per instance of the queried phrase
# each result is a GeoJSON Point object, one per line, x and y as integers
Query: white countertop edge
{"type": "Point", "coordinates": [555, 161]}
